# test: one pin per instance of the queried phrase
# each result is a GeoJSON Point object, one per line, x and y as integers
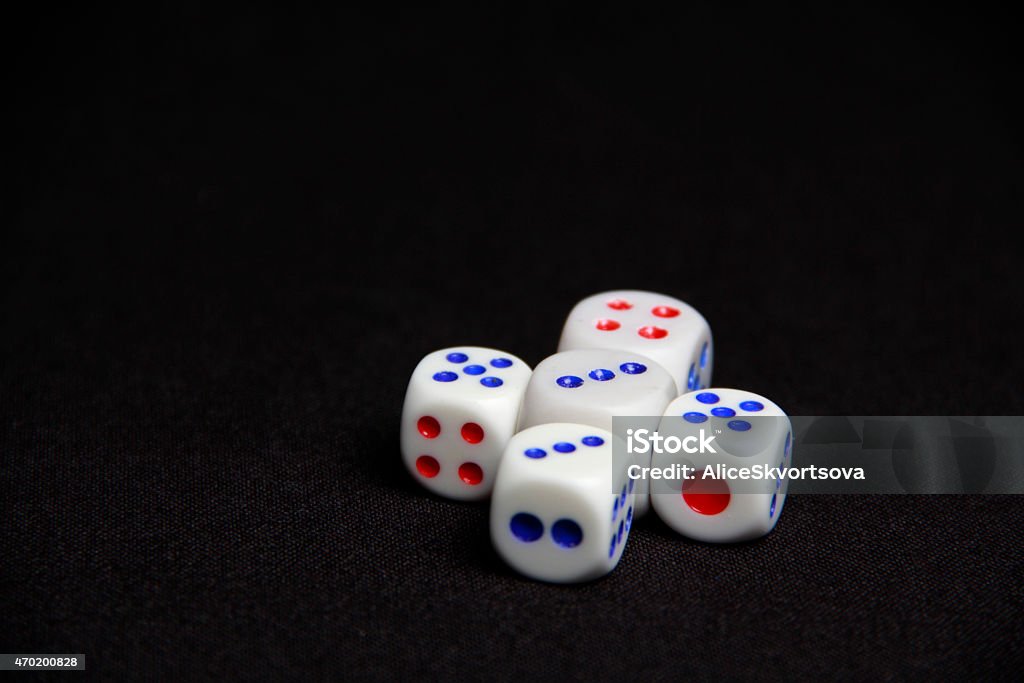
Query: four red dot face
{"type": "Point", "coordinates": [647, 331]}
{"type": "Point", "coordinates": [429, 467]}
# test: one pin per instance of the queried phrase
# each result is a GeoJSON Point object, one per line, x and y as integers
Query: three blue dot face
{"type": "Point", "coordinates": [600, 375]}
{"type": "Point", "coordinates": [473, 370]}
{"type": "Point", "coordinates": [563, 447]}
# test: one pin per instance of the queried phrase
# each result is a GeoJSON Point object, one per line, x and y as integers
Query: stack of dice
{"type": "Point", "coordinates": [478, 423]}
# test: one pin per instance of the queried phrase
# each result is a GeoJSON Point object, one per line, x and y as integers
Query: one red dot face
{"type": "Point", "coordinates": [706, 496]}
{"type": "Point", "coordinates": [607, 325]}
{"type": "Point", "coordinates": [427, 466]}
{"type": "Point", "coordinates": [665, 311]}
{"type": "Point", "coordinates": [429, 427]}
{"type": "Point", "coordinates": [471, 473]}
{"type": "Point", "coordinates": [472, 432]}
{"type": "Point", "coordinates": [619, 305]}
{"type": "Point", "coordinates": [652, 332]}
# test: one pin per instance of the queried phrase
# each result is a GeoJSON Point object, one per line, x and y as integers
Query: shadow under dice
{"type": "Point", "coordinates": [660, 327]}
{"type": "Point", "coordinates": [591, 386]}
{"type": "Point", "coordinates": [717, 504]}
{"type": "Point", "coordinates": [460, 410]}
{"type": "Point", "coordinates": [563, 506]}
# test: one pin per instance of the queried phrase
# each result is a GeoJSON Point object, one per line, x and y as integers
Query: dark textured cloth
{"type": "Point", "coordinates": [235, 235]}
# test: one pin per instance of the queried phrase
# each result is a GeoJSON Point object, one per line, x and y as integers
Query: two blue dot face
{"type": "Point", "coordinates": [600, 375]}
{"type": "Point", "coordinates": [563, 447]}
{"type": "Point", "coordinates": [474, 370]}
{"type": "Point", "coordinates": [528, 528]}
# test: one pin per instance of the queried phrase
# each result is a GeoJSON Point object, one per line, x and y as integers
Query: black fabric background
{"type": "Point", "coordinates": [235, 234]}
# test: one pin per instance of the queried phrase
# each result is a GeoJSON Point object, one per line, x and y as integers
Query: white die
{"type": "Point", "coordinates": [460, 410]}
{"type": "Point", "coordinates": [562, 505]}
{"type": "Point", "coordinates": [748, 430]}
{"type": "Point", "coordinates": [590, 386]}
{"type": "Point", "coordinates": [660, 327]}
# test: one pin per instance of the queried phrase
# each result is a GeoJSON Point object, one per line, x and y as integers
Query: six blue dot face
{"type": "Point", "coordinates": [566, 533]}
{"type": "Point", "coordinates": [592, 441]}
{"type": "Point", "coordinates": [751, 406]}
{"type": "Point", "coordinates": [723, 412]}
{"type": "Point", "coordinates": [474, 369]}
{"type": "Point", "coordinates": [695, 418]}
{"type": "Point", "coordinates": [457, 357]}
{"type": "Point", "coordinates": [633, 368]}
{"type": "Point", "coordinates": [708, 397]}
{"type": "Point", "coordinates": [569, 381]}
{"type": "Point", "coordinates": [601, 375]}
{"type": "Point", "coordinates": [526, 527]}
{"type": "Point", "coordinates": [564, 447]}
